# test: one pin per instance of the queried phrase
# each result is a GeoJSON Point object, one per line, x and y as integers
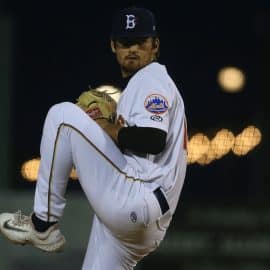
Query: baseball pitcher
{"type": "Point", "coordinates": [130, 157]}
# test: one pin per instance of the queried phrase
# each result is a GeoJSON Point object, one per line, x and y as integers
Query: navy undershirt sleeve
{"type": "Point", "coordinates": [143, 140]}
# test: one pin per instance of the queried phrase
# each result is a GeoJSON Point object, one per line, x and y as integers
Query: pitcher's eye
{"type": "Point", "coordinates": [127, 42]}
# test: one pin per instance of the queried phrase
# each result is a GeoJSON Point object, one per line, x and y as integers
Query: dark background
{"type": "Point", "coordinates": [58, 49]}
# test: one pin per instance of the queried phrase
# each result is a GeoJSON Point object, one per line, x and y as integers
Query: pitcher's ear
{"type": "Point", "coordinates": [113, 46]}
{"type": "Point", "coordinates": [156, 43]}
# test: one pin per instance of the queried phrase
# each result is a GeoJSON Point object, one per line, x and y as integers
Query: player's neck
{"type": "Point", "coordinates": [128, 73]}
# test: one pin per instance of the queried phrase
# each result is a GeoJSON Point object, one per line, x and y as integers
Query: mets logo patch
{"type": "Point", "coordinates": [156, 104]}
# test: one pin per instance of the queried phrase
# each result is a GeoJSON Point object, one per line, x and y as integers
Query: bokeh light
{"type": "Point", "coordinates": [231, 79]}
{"type": "Point", "coordinates": [111, 90]}
{"type": "Point", "coordinates": [73, 175]}
{"type": "Point", "coordinates": [29, 169]}
{"type": "Point", "coordinates": [247, 140]}
{"type": "Point", "coordinates": [197, 146]}
{"type": "Point", "coordinates": [207, 157]}
{"type": "Point", "coordinates": [200, 149]}
{"type": "Point", "coordinates": [220, 145]}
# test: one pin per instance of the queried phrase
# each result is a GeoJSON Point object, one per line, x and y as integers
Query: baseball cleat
{"type": "Point", "coordinates": [19, 229]}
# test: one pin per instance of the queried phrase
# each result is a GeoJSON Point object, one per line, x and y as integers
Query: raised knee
{"type": "Point", "coordinates": [60, 107]}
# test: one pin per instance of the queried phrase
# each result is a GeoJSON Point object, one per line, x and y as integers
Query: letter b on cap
{"type": "Point", "coordinates": [130, 23]}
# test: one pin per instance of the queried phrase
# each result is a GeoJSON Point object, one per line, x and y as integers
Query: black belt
{"type": "Point", "coordinates": [164, 206]}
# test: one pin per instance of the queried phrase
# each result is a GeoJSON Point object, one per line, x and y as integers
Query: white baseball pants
{"type": "Point", "coordinates": [128, 222]}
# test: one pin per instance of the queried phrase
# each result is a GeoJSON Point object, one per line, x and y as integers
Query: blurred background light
{"type": "Point", "coordinates": [29, 169]}
{"type": "Point", "coordinates": [219, 146]}
{"type": "Point", "coordinates": [200, 149]}
{"type": "Point", "coordinates": [207, 157]}
{"type": "Point", "coordinates": [222, 143]}
{"type": "Point", "coordinates": [246, 140]}
{"type": "Point", "coordinates": [197, 146]}
{"type": "Point", "coordinates": [73, 174]}
{"type": "Point", "coordinates": [111, 90]}
{"type": "Point", "coordinates": [231, 79]}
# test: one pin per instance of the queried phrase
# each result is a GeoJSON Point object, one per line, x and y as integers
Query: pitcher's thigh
{"type": "Point", "coordinates": [105, 252]}
{"type": "Point", "coordinates": [97, 173]}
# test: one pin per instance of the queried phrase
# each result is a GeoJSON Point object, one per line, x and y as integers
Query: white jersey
{"type": "Point", "coordinates": [151, 99]}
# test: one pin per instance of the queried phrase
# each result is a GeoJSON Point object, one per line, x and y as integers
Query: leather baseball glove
{"type": "Point", "coordinates": [98, 105]}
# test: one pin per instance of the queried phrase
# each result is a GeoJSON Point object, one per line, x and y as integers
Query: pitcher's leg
{"type": "Point", "coordinates": [113, 192]}
{"type": "Point", "coordinates": [105, 252]}
{"type": "Point", "coordinates": [112, 189]}
{"type": "Point", "coordinates": [93, 149]}
{"type": "Point", "coordinates": [54, 170]}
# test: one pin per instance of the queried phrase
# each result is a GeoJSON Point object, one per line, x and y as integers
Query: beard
{"type": "Point", "coordinates": [131, 66]}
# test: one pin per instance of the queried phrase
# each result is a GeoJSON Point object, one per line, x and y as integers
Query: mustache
{"type": "Point", "coordinates": [132, 55]}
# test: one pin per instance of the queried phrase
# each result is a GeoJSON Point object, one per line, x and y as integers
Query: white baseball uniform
{"type": "Point", "coordinates": [129, 221]}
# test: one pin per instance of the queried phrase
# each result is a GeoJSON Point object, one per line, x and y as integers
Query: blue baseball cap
{"type": "Point", "coordinates": [133, 22]}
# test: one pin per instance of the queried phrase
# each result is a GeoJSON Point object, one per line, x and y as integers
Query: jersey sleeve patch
{"type": "Point", "coordinates": [156, 104]}
{"type": "Point", "coordinates": [156, 118]}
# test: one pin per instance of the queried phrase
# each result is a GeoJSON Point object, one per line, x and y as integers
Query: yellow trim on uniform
{"type": "Point", "coordinates": [51, 172]}
{"type": "Point", "coordinates": [130, 178]}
